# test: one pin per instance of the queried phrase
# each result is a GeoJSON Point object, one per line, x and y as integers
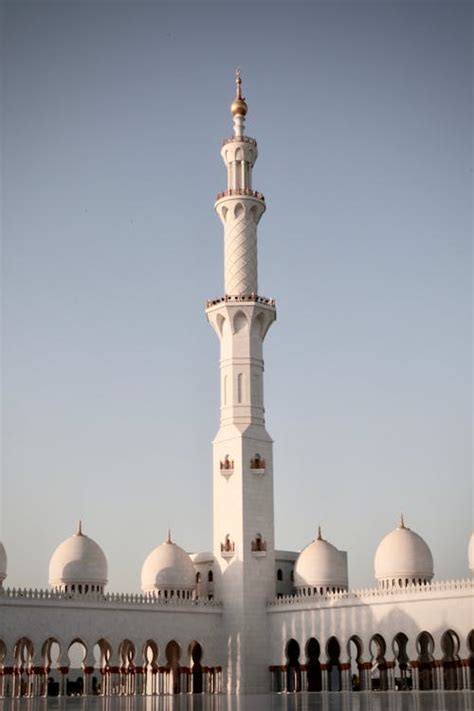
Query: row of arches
{"type": "Point", "coordinates": [78, 668]}
{"type": "Point", "coordinates": [330, 668]}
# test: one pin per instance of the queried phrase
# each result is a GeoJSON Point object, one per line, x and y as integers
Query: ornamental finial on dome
{"type": "Point", "coordinates": [402, 522]}
{"type": "Point", "coordinates": [168, 537]}
{"type": "Point", "coordinates": [79, 529]}
{"type": "Point", "coordinates": [239, 106]}
{"type": "Point", "coordinates": [319, 538]}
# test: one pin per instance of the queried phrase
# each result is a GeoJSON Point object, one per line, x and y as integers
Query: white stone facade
{"type": "Point", "coordinates": [244, 617]}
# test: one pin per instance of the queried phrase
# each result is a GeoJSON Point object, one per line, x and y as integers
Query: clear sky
{"type": "Point", "coordinates": [113, 115]}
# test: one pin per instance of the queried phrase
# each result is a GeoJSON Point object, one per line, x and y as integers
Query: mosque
{"type": "Point", "coordinates": [244, 617]}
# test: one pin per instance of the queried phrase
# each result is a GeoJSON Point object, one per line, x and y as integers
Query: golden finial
{"type": "Point", "coordinates": [79, 529]}
{"type": "Point", "coordinates": [168, 537]}
{"type": "Point", "coordinates": [319, 538]}
{"type": "Point", "coordinates": [238, 106]}
{"type": "Point", "coordinates": [402, 522]}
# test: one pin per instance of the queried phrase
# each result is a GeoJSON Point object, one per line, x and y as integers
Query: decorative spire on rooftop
{"type": "Point", "coordinates": [239, 106]}
{"type": "Point", "coordinates": [319, 538]}
{"type": "Point", "coordinates": [168, 537]}
{"type": "Point", "coordinates": [402, 522]}
{"type": "Point", "coordinates": [79, 529]}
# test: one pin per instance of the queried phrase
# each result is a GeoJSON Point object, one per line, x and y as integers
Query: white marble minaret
{"type": "Point", "coordinates": [243, 466]}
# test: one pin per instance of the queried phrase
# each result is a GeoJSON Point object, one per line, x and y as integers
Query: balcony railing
{"type": "Point", "coordinates": [240, 191]}
{"type": "Point", "coordinates": [242, 297]}
{"type": "Point", "coordinates": [239, 139]}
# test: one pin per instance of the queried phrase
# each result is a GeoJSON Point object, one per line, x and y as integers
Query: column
{"type": "Point", "coordinates": [415, 675]}
{"type": "Point", "coordinates": [345, 676]}
{"type": "Point", "coordinates": [63, 671]}
{"type": "Point", "coordinates": [324, 677]}
{"type": "Point", "coordinates": [88, 671]}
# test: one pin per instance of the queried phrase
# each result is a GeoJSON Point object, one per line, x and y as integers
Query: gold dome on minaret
{"type": "Point", "coordinates": [238, 106]}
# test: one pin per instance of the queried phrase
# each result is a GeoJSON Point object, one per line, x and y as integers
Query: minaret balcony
{"type": "Point", "coordinates": [239, 298]}
{"type": "Point", "coordinates": [258, 547]}
{"type": "Point", "coordinates": [245, 192]}
{"type": "Point", "coordinates": [239, 139]}
{"type": "Point", "coordinates": [227, 467]}
{"type": "Point", "coordinates": [228, 548]}
{"type": "Point", "coordinates": [257, 465]}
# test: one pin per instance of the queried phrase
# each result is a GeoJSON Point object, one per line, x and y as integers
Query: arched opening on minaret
{"type": "Point", "coordinates": [240, 388]}
{"type": "Point", "coordinates": [293, 669]}
{"type": "Point", "coordinates": [313, 665]}
{"type": "Point", "coordinates": [333, 650]}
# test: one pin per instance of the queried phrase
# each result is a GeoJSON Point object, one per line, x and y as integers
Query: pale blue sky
{"type": "Point", "coordinates": [113, 117]}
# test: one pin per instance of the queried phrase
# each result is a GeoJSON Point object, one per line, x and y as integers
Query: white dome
{"type": "Point", "coordinates": [168, 567]}
{"type": "Point", "coordinates": [203, 557]}
{"type": "Point", "coordinates": [321, 564]}
{"type": "Point", "coordinates": [403, 555]}
{"type": "Point", "coordinates": [3, 563]}
{"type": "Point", "coordinates": [78, 561]}
{"type": "Point", "coordinates": [471, 552]}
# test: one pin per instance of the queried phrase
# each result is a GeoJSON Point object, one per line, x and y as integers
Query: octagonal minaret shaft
{"type": "Point", "coordinates": [243, 537]}
{"type": "Point", "coordinates": [239, 207]}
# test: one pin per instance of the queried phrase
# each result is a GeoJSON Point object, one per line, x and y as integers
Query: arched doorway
{"type": "Point", "coordinates": [102, 653]}
{"type": "Point", "coordinates": [195, 654]}
{"type": "Point", "coordinates": [77, 652]}
{"type": "Point", "coordinates": [451, 665]}
{"type": "Point", "coordinates": [127, 677]}
{"type": "Point", "coordinates": [23, 661]}
{"type": "Point", "coordinates": [402, 677]}
{"type": "Point", "coordinates": [354, 652]}
{"type": "Point", "coordinates": [377, 648]}
{"type": "Point", "coordinates": [50, 654]}
{"type": "Point", "coordinates": [173, 654]}
{"type": "Point", "coordinates": [425, 647]}
{"type": "Point", "coordinates": [333, 650]}
{"type": "Point", "coordinates": [150, 666]}
{"type": "Point", "coordinates": [293, 674]}
{"type": "Point", "coordinates": [313, 665]}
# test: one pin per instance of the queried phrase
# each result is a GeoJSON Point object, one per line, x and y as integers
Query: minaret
{"type": "Point", "coordinates": [242, 450]}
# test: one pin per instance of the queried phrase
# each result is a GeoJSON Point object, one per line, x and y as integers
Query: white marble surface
{"type": "Point", "coordinates": [363, 701]}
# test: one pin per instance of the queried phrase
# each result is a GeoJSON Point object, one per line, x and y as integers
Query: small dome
{"type": "Point", "coordinates": [168, 567]}
{"type": "Point", "coordinates": [321, 564]}
{"type": "Point", "coordinates": [78, 561]}
{"type": "Point", "coordinates": [471, 552]}
{"type": "Point", "coordinates": [403, 555]}
{"type": "Point", "coordinates": [3, 563]}
{"type": "Point", "coordinates": [203, 557]}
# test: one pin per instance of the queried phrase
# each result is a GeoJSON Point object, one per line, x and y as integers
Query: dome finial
{"type": "Point", "coordinates": [402, 522]}
{"type": "Point", "coordinates": [168, 537]}
{"type": "Point", "coordinates": [319, 538]}
{"type": "Point", "coordinates": [238, 106]}
{"type": "Point", "coordinates": [79, 529]}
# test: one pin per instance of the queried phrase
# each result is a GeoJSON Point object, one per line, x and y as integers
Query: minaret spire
{"type": "Point", "coordinates": [239, 107]}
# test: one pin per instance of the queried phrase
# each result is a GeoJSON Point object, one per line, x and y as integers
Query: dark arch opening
{"type": "Point", "coordinates": [173, 653]}
{"type": "Point", "coordinates": [354, 652]}
{"type": "Point", "coordinates": [425, 645]}
{"type": "Point", "coordinates": [313, 665]}
{"type": "Point", "coordinates": [333, 650]}
{"type": "Point", "coordinates": [195, 652]}
{"type": "Point", "coordinates": [293, 682]}
{"type": "Point", "coordinates": [451, 664]}
{"type": "Point", "coordinates": [402, 679]}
